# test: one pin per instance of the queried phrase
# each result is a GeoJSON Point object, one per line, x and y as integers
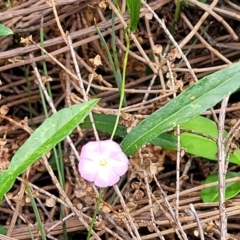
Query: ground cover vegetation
{"type": "Point", "coordinates": [119, 119]}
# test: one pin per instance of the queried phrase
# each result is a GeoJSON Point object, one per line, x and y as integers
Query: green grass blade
{"type": "Point", "coordinates": [36, 213]}
{"type": "Point", "coordinates": [133, 7]}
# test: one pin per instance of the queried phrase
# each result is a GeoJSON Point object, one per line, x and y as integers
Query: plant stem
{"type": "Point", "coordinates": [123, 82]}
{"type": "Point", "coordinates": [95, 214]}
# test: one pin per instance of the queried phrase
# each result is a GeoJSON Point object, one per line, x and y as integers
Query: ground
{"type": "Point", "coordinates": [159, 197]}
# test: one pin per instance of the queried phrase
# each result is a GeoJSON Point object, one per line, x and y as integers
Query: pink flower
{"type": "Point", "coordinates": [102, 162]}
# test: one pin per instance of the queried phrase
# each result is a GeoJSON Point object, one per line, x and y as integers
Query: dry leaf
{"type": "Point", "coordinates": [157, 50]}
{"type": "Point", "coordinates": [148, 16]}
{"type": "Point", "coordinates": [4, 109]}
{"type": "Point", "coordinates": [96, 61]}
{"type": "Point", "coordinates": [103, 5]}
{"type": "Point", "coordinates": [26, 40]}
{"type": "Point", "coordinates": [50, 202]}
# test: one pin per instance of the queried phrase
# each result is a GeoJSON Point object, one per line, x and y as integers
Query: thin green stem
{"type": "Point", "coordinates": [122, 94]}
{"type": "Point", "coordinates": [95, 213]}
{"type": "Point", "coordinates": [30, 232]}
{"type": "Point", "coordinates": [115, 55]}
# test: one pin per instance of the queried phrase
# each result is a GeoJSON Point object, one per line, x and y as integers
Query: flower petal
{"type": "Point", "coordinates": [106, 178]}
{"type": "Point", "coordinates": [94, 154]}
{"type": "Point", "coordinates": [109, 148]}
{"type": "Point", "coordinates": [119, 169]}
{"type": "Point", "coordinates": [91, 151]}
{"type": "Point", "coordinates": [88, 169]}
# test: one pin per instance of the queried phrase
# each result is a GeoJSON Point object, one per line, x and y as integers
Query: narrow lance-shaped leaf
{"type": "Point", "coordinates": [43, 139]}
{"type": "Point", "coordinates": [189, 104]}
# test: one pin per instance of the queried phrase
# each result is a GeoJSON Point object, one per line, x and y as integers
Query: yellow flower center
{"type": "Point", "coordinates": [103, 162]}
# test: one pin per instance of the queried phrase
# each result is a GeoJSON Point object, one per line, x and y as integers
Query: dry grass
{"type": "Point", "coordinates": [148, 210]}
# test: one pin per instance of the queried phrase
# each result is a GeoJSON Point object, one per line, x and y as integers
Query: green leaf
{"type": "Point", "coordinates": [202, 125]}
{"type": "Point", "coordinates": [211, 194]}
{"type": "Point", "coordinates": [191, 142]}
{"type": "Point", "coordinates": [133, 7]}
{"type": "Point", "coordinates": [194, 143]}
{"type": "Point", "coordinates": [189, 104]}
{"type": "Point", "coordinates": [105, 123]}
{"type": "Point", "coordinates": [42, 140]}
{"type": "Point", "coordinates": [3, 231]}
{"type": "Point", "coordinates": [235, 157]}
{"type": "Point", "coordinates": [165, 140]}
{"type": "Point", "coordinates": [4, 31]}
